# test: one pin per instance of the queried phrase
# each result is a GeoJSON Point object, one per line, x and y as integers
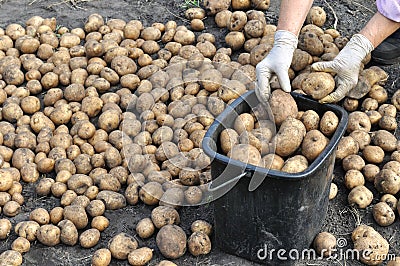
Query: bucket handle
{"type": "Point", "coordinates": [233, 180]}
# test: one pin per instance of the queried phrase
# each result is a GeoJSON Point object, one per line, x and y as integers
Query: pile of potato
{"type": "Point", "coordinates": [113, 114]}
{"type": "Point", "coordinates": [301, 136]}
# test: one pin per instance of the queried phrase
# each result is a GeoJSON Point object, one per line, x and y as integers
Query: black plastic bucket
{"type": "Point", "coordinates": [286, 211]}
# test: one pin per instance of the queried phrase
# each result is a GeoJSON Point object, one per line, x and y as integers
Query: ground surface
{"type": "Point", "coordinates": [341, 220]}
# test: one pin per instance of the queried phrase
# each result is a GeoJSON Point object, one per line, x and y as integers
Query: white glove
{"type": "Point", "coordinates": [277, 61]}
{"type": "Point", "coordinates": [347, 66]}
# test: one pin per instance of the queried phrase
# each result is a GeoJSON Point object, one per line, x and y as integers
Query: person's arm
{"type": "Point", "coordinates": [379, 28]}
{"type": "Point", "coordinates": [291, 18]}
{"type": "Point", "coordinates": [347, 63]}
{"type": "Point", "coordinates": [292, 15]}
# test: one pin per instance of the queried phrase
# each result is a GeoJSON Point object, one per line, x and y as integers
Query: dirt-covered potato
{"type": "Point", "coordinates": [353, 161]}
{"type": "Point", "coordinates": [329, 123]}
{"type": "Point", "coordinates": [310, 43]}
{"type": "Point", "coordinates": [295, 164]}
{"type": "Point", "coordinates": [113, 200]}
{"type": "Point", "coordinates": [318, 85]}
{"type": "Point", "coordinates": [77, 215]}
{"type": "Point", "coordinates": [212, 7]}
{"type": "Point", "coordinates": [22, 245]}
{"type": "Point", "coordinates": [49, 235]}
{"type": "Point", "coordinates": [383, 214]}
{"type": "Point", "coordinates": [11, 208]}
{"type": "Point", "coordinates": [384, 139]}
{"type": "Point", "coordinates": [245, 153]}
{"type": "Point", "coordinates": [313, 144]}
{"type": "Point", "coordinates": [89, 238]}
{"type": "Point", "coordinates": [387, 181]}
{"type": "Point", "coordinates": [333, 191]}
{"type": "Point", "coordinates": [163, 215]}
{"type": "Point", "coordinates": [360, 196]}
{"type": "Point", "coordinates": [222, 18]}
{"type": "Point", "coordinates": [145, 228]}
{"type": "Point", "coordinates": [121, 245]}
{"type": "Point", "coordinates": [361, 137]}
{"type": "Point", "coordinates": [11, 257]}
{"type": "Point", "coordinates": [289, 137]}
{"type": "Point", "coordinates": [347, 146]}
{"type": "Point", "coordinates": [237, 21]}
{"type": "Point", "coordinates": [151, 193]}
{"type": "Point", "coordinates": [171, 241]}
{"type": "Point", "coordinates": [358, 121]}
{"type": "Point", "coordinates": [317, 16]}
{"type": "Point", "coordinates": [40, 215]}
{"type": "Point", "coordinates": [5, 228]}
{"type": "Point", "coordinates": [324, 244]}
{"type": "Point", "coordinates": [101, 257]}
{"type": "Point", "coordinates": [199, 244]}
{"type": "Point", "coordinates": [278, 99]}
{"type": "Point", "coordinates": [390, 200]}
{"type": "Point", "coordinates": [353, 178]}
{"type": "Point", "coordinates": [370, 244]}
{"type": "Point", "coordinates": [373, 154]}
{"type": "Point", "coordinates": [69, 233]}
{"type": "Point", "coordinates": [140, 256]}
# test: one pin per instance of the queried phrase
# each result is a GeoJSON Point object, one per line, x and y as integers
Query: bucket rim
{"type": "Point", "coordinates": [328, 151]}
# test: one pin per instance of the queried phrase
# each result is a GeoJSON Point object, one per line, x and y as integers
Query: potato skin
{"type": "Point", "coordinates": [318, 85]}
{"type": "Point", "coordinates": [140, 256]}
{"type": "Point", "coordinates": [313, 144]}
{"type": "Point", "coordinates": [289, 137]}
{"type": "Point", "coordinates": [171, 240]}
{"type": "Point", "coordinates": [277, 101]}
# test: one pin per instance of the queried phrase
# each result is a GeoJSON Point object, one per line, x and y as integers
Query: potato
{"type": "Point", "coordinates": [360, 196]}
{"type": "Point", "coordinates": [22, 245]}
{"type": "Point", "coordinates": [245, 153]}
{"type": "Point", "coordinates": [384, 139]}
{"type": "Point", "coordinates": [40, 215]}
{"type": "Point", "coordinates": [96, 208]}
{"type": "Point", "coordinates": [237, 21]}
{"type": "Point", "coordinates": [361, 137]}
{"type": "Point", "coordinates": [388, 123]}
{"type": "Point", "coordinates": [317, 16]}
{"type": "Point", "coordinates": [371, 244]}
{"type": "Point", "coordinates": [278, 99]}
{"type": "Point", "coordinates": [313, 144]}
{"type": "Point", "coordinates": [295, 164]}
{"type": "Point", "coordinates": [184, 37]}
{"type": "Point", "coordinates": [100, 223]}
{"type": "Point", "coordinates": [333, 191]}
{"type": "Point", "coordinates": [49, 235]}
{"type": "Point", "coordinates": [166, 263]}
{"type": "Point", "coordinates": [212, 7]}
{"type": "Point", "coordinates": [353, 178]}
{"type": "Point", "coordinates": [89, 238]}
{"type": "Point", "coordinates": [347, 146]}
{"type": "Point", "coordinates": [77, 215]}
{"type": "Point", "coordinates": [383, 214]}
{"type": "Point", "coordinates": [5, 228]}
{"type": "Point", "coordinates": [387, 181]}
{"type": "Point", "coordinates": [11, 257]}
{"type": "Point", "coordinates": [390, 200]}
{"type": "Point", "coordinates": [310, 43]}
{"type": "Point", "coordinates": [318, 85]}
{"type": "Point", "coordinates": [197, 24]}
{"type": "Point", "coordinates": [151, 193]}
{"type": "Point", "coordinates": [199, 244]}
{"type": "Point", "coordinates": [121, 245]}
{"type": "Point", "coordinates": [69, 233]}
{"type": "Point", "coordinates": [56, 215]}
{"type": "Point", "coordinates": [244, 122]}
{"type": "Point", "coordinates": [273, 162]}
{"type": "Point", "coordinates": [222, 18]}
{"type": "Point", "coordinates": [27, 229]}
{"type": "Point", "coordinates": [373, 154]}
{"type": "Point", "coordinates": [394, 262]}
{"type": "Point", "coordinates": [325, 244]}
{"type": "Point", "coordinates": [11, 208]}
{"type": "Point", "coordinates": [112, 200]}
{"type": "Point", "coordinates": [6, 180]}
{"type": "Point", "coordinates": [235, 40]}
{"type": "Point", "coordinates": [171, 241]}
{"type": "Point", "coordinates": [289, 137]}
{"type": "Point", "coordinates": [353, 162]}
{"type": "Point", "coordinates": [145, 228]}
{"type": "Point", "coordinates": [358, 121]}
{"type": "Point", "coordinates": [140, 256]}
{"type": "Point", "coordinates": [101, 257]}
{"type": "Point", "coordinates": [195, 13]}
{"type": "Point", "coordinates": [163, 215]}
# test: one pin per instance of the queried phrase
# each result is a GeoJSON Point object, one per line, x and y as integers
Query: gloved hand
{"type": "Point", "coordinates": [277, 61]}
{"type": "Point", "coordinates": [347, 66]}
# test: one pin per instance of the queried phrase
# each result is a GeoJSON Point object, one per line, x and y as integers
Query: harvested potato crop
{"type": "Point", "coordinates": [145, 228]}
{"type": "Point", "coordinates": [361, 137]}
{"type": "Point", "coordinates": [101, 257]}
{"type": "Point", "coordinates": [295, 164]}
{"type": "Point", "coordinates": [222, 18]}
{"type": "Point", "coordinates": [121, 245]}
{"type": "Point", "coordinates": [69, 233]}
{"type": "Point", "coordinates": [354, 162]}
{"type": "Point", "coordinates": [353, 178]}
{"type": "Point", "coordinates": [40, 215]}
{"type": "Point", "coordinates": [318, 85]}
{"type": "Point", "coordinates": [347, 146]}
{"type": "Point", "coordinates": [325, 244]}
{"type": "Point", "coordinates": [171, 240]}
{"type": "Point", "coordinates": [313, 144]}
{"type": "Point", "coordinates": [373, 154]}
{"type": "Point", "coordinates": [11, 257]}
{"type": "Point", "coordinates": [212, 7]}
{"type": "Point", "coordinates": [89, 238]}
{"type": "Point", "coordinates": [358, 121]}
{"type": "Point", "coordinates": [387, 181]}
{"type": "Point", "coordinates": [245, 153]}
{"type": "Point", "coordinates": [49, 235]}
{"type": "Point", "coordinates": [77, 215]}
{"type": "Point", "coordinates": [199, 244]}
{"type": "Point", "coordinates": [317, 16]}
{"type": "Point", "coordinates": [384, 139]}
{"type": "Point", "coordinates": [333, 191]}
{"type": "Point", "coordinates": [5, 228]}
{"type": "Point", "coordinates": [22, 245]}
{"type": "Point", "coordinates": [289, 137]}
{"type": "Point", "coordinates": [278, 99]}
{"type": "Point", "coordinates": [383, 214]}
{"type": "Point", "coordinates": [113, 200]}
{"type": "Point", "coordinates": [360, 196]}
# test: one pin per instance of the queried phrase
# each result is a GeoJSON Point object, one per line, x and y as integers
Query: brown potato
{"type": "Point", "coordinates": [313, 144]}
{"type": "Point", "coordinates": [318, 85]}
{"type": "Point", "coordinates": [373, 154]}
{"type": "Point", "coordinates": [49, 235]}
{"type": "Point", "coordinates": [163, 215]}
{"type": "Point", "coordinates": [69, 233]}
{"type": "Point", "coordinates": [145, 228]}
{"type": "Point", "coordinates": [295, 164]}
{"type": "Point", "coordinates": [289, 137]}
{"type": "Point", "coordinates": [89, 238]}
{"type": "Point", "coordinates": [360, 196]}
{"type": "Point", "coordinates": [383, 214]}
{"type": "Point", "coordinates": [325, 244]}
{"type": "Point", "coordinates": [101, 257]}
{"type": "Point", "coordinates": [121, 245]}
{"type": "Point", "coordinates": [171, 240]}
{"type": "Point", "coordinates": [278, 99]}
{"type": "Point", "coordinates": [353, 178]}
{"type": "Point", "coordinates": [199, 244]}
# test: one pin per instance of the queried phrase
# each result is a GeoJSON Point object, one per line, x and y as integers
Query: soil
{"type": "Point", "coordinates": [340, 220]}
